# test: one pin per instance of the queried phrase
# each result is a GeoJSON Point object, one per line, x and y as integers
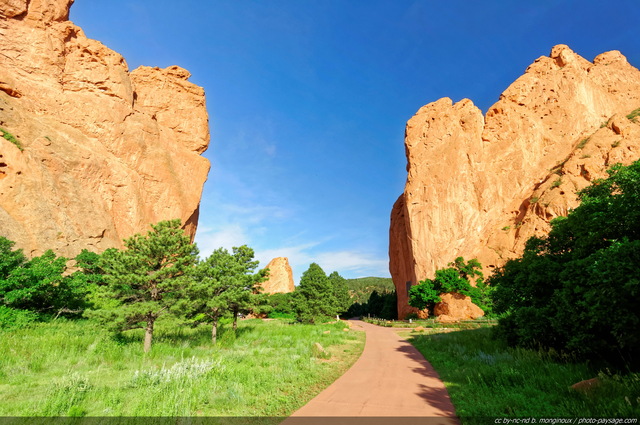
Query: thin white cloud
{"type": "Point", "coordinates": [209, 239]}
{"type": "Point", "coordinates": [353, 262]}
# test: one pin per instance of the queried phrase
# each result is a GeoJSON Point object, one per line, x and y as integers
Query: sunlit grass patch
{"type": "Point", "coordinates": [76, 369]}
{"type": "Point", "coordinates": [485, 378]}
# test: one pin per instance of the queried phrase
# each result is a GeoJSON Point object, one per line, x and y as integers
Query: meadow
{"type": "Point", "coordinates": [265, 368]}
{"type": "Point", "coordinates": [487, 379]}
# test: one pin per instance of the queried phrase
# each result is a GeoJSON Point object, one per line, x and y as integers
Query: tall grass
{"type": "Point", "coordinates": [485, 379]}
{"type": "Point", "coordinates": [78, 369]}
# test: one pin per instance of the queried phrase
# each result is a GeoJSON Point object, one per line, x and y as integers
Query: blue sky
{"type": "Point", "coordinates": [308, 100]}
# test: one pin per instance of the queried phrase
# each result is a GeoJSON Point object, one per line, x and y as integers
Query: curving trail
{"type": "Point", "coordinates": [390, 379]}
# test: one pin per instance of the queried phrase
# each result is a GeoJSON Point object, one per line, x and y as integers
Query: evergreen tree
{"type": "Point", "coordinates": [222, 282]}
{"type": "Point", "coordinates": [340, 292]}
{"type": "Point", "coordinates": [143, 280]}
{"type": "Point", "coordinates": [314, 297]}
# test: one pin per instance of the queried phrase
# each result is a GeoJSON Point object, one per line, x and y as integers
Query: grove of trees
{"type": "Point", "coordinates": [157, 274]}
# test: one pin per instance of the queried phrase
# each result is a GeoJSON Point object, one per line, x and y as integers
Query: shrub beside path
{"type": "Point", "coordinates": [390, 379]}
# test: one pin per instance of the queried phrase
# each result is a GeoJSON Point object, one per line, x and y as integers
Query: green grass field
{"type": "Point", "coordinates": [74, 368]}
{"type": "Point", "coordinates": [487, 379]}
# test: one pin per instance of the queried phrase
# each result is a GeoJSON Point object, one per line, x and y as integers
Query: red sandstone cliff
{"type": "Point", "coordinates": [105, 152]}
{"type": "Point", "coordinates": [280, 277]}
{"type": "Point", "coordinates": [479, 187]}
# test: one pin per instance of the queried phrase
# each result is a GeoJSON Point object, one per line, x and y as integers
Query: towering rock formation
{"type": "Point", "coordinates": [280, 277]}
{"type": "Point", "coordinates": [105, 152]}
{"type": "Point", "coordinates": [479, 187]}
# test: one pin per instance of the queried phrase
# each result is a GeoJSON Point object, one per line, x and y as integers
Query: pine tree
{"type": "Point", "coordinates": [340, 292]}
{"type": "Point", "coordinates": [314, 297]}
{"type": "Point", "coordinates": [222, 282]}
{"type": "Point", "coordinates": [142, 281]}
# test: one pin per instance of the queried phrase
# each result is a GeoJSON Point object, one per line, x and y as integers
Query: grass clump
{"type": "Point", "coordinates": [633, 116]}
{"type": "Point", "coordinates": [75, 368]}
{"type": "Point", "coordinates": [556, 183]}
{"type": "Point", "coordinates": [11, 138]}
{"type": "Point", "coordinates": [583, 143]}
{"type": "Point", "coordinates": [485, 378]}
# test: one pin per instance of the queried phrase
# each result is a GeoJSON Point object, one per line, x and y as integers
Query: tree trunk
{"type": "Point", "coordinates": [148, 335]}
{"type": "Point", "coordinates": [235, 318]}
{"type": "Point", "coordinates": [214, 330]}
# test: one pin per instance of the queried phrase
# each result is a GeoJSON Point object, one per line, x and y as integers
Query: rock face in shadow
{"type": "Point", "coordinates": [105, 152]}
{"type": "Point", "coordinates": [280, 277]}
{"type": "Point", "coordinates": [480, 186]}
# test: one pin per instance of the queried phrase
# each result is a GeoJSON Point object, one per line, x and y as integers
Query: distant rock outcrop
{"type": "Point", "coordinates": [280, 277]}
{"type": "Point", "coordinates": [105, 152]}
{"type": "Point", "coordinates": [480, 186]}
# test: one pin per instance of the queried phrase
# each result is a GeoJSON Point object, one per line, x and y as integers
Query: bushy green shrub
{"type": "Point", "coordinates": [456, 278]}
{"type": "Point", "coordinates": [40, 286]}
{"type": "Point", "coordinates": [577, 290]}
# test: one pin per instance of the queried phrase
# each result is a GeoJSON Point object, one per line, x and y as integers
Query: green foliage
{"type": "Point", "coordinates": [583, 143]}
{"type": "Point", "coordinates": [340, 292]}
{"type": "Point", "coordinates": [88, 263]}
{"type": "Point", "coordinates": [11, 318]}
{"type": "Point", "coordinates": [634, 115]}
{"type": "Point", "coordinates": [223, 282]}
{"type": "Point", "coordinates": [383, 305]}
{"type": "Point", "coordinates": [424, 295]}
{"type": "Point", "coordinates": [577, 289]}
{"type": "Point", "coordinates": [39, 288]}
{"type": "Point", "coordinates": [11, 138]}
{"type": "Point", "coordinates": [556, 183]}
{"type": "Point", "coordinates": [456, 278]}
{"type": "Point", "coordinates": [280, 306]}
{"type": "Point", "coordinates": [142, 282]}
{"type": "Point", "coordinates": [314, 298]}
{"type": "Point", "coordinates": [9, 259]}
{"type": "Point", "coordinates": [39, 285]}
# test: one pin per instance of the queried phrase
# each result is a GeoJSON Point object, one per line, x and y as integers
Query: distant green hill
{"type": "Point", "coordinates": [361, 288]}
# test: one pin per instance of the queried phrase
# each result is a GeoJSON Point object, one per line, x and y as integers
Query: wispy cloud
{"type": "Point", "coordinates": [209, 239]}
{"type": "Point", "coordinates": [354, 263]}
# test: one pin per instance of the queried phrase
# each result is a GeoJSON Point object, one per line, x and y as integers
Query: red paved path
{"type": "Point", "coordinates": [391, 378]}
